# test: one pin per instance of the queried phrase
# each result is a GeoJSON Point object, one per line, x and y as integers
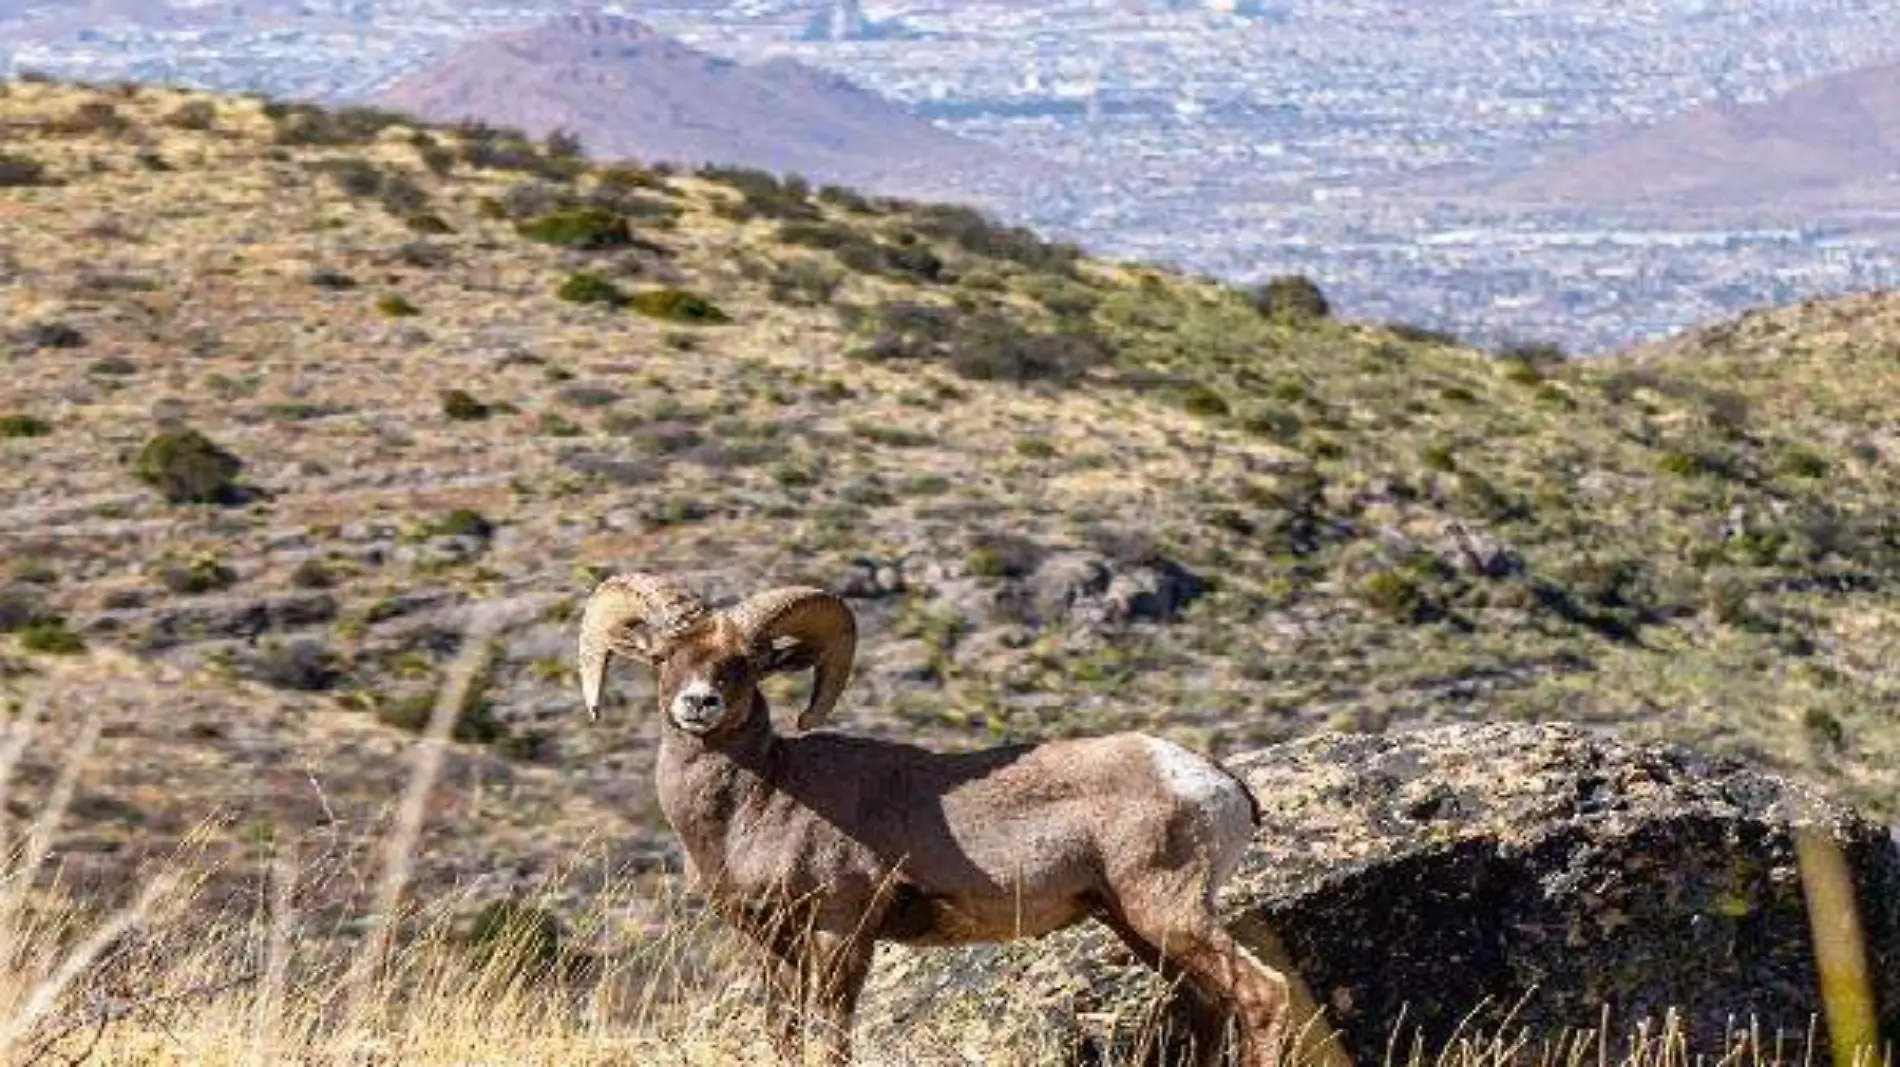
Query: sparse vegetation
{"type": "Point", "coordinates": [187, 467]}
{"type": "Point", "coordinates": [20, 426]}
{"type": "Point", "coordinates": [584, 228]}
{"type": "Point", "coordinates": [678, 305]}
{"type": "Point", "coordinates": [590, 287]}
{"type": "Point", "coordinates": [461, 406]}
{"type": "Point", "coordinates": [1290, 298]}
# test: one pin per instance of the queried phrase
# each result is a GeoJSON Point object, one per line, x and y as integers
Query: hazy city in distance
{"type": "Point", "coordinates": [1355, 141]}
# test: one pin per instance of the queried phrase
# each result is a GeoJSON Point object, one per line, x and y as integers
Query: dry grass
{"type": "Point", "coordinates": [159, 980]}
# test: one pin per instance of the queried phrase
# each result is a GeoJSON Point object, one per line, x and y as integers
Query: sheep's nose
{"type": "Point", "coordinates": [702, 701]}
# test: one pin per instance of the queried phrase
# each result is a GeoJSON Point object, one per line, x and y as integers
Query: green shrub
{"type": "Point", "coordinates": [804, 282]}
{"type": "Point", "coordinates": [51, 637]}
{"type": "Point", "coordinates": [203, 574]}
{"type": "Point", "coordinates": [1208, 403]}
{"type": "Point", "coordinates": [678, 305]}
{"type": "Point", "coordinates": [585, 228]}
{"type": "Point", "coordinates": [1422, 335]}
{"type": "Point", "coordinates": [555, 424]}
{"type": "Point", "coordinates": [462, 522]}
{"type": "Point", "coordinates": [19, 171]}
{"type": "Point", "coordinates": [188, 468]}
{"type": "Point", "coordinates": [193, 115]}
{"type": "Point", "coordinates": [1290, 298]}
{"type": "Point", "coordinates": [428, 222]}
{"type": "Point", "coordinates": [461, 405]}
{"type": "Point", "coordinates": [978, 235]}
{"type": "Point", "coordinates": [1394, 594]}
{"type": "Point", "coordinates": [394, 306]}
{"type": "Point", "coordinates": [590, 287]}
{"type": "Point", "coordinates": [1797, 460]}
{"type": "Point", "coordinates": [1439, 458]}
{"type": "Point", "coordinates": [23, 426]}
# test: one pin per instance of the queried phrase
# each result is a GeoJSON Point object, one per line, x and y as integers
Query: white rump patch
{"type": "Point", "coordinates": [1202, 785]}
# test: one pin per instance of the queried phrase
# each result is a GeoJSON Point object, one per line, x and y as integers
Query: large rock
{"type": "Point", "coordinates": [1414, 881]}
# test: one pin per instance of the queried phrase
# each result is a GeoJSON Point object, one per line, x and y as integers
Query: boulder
{"type": "Point", "coordinates": [1538, 879]}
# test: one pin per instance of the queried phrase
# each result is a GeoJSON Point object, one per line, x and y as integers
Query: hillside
{"type": "Point", "coordinates": [1832, 143]}
{"type": "Point", "coordinates": [630, 92]}
{"type": "Point", "coordinates": [1064, 496]}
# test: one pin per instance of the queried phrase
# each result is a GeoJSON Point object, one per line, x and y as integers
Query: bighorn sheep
{"type": "Point", "coordinates": [818, 846]}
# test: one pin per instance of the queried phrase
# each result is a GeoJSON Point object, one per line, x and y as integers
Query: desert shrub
{"type": "Point", "coordinates": [534, 198]}
{"type": "Point", "coordinates": [562, 145]}
{"type": "Point", "coordinates": [1002, 555]}
{"type": "Point", "coordinates": [762, 194]}
{"type": "Point", "coordinates": [585, 228]}
{"type": "Point", "coordinates": [861, 252]}
{"type": "Point", "coordinates": [461, 406]}
{"type": "Point", "coordinates": [590, 287]}
{"type": "Point", "coordinates": [308, 124]}
{"type": "Point", "coordinates": [1797, 460]}
{"type": "Point", "coordinates": [19, 171]}
{"type": "Point", "coordinates": [1064, 299]}
{"type": "Point", "coordinates": [354, 177]}
{"type": "Point", "coordinates": [1290, 298]}
{"type": "Point", "coordinates": [849, 199]}
{"type": "Point", "coordinates": [979, 235]}
{"type": "Point", "coordinates": [586, 396]}
{"type": "Point", "coordinates": [436, 159]}
{"type": "Point", "coordinates": [20, 607]}
{"type": "Point", "coordinates": [1539, 355]}
{"type": "Point", "coordinates": [52, 335]}
{"type": "Point", "coordinates": [1206, 402]}
{"type": "Point", "coordinates": [92, 118]}
{"type": "Point", "coordinates": [1422, 335]}
{"type": "Point", "coordinates": [51, 637]}
{"type": "Point", "coordinates": [461, 522]}
{"type": "Point", "coordinates": [804, 281]}
{"type": "Point", "coordinates": [187, 467]}
{"type": "Point", "coordinates": [201, 574]}
{"type": "Point", "coordinates": [396, 306]}
{"type": "Point", "coordinates": [312, 573]}
{"type": "Point", "coordinates": [302, 665]}
{"type": "Point", "coordinates": [1395, 595]}
{"type": "Point", "coordinates": [487, 148]}
{"type": "Point", "coordinates": [678, 305]}
{"type": "Point", "coordinates": [19, 426]}
{"type": "Point", "coordinates": [428, 222]}
{"type": "Point", "coordinates": [329, 278]}
{"type": "Point", "coordinates": [193, 115]}
{"type": "Point", "coordinates": [995, 348]}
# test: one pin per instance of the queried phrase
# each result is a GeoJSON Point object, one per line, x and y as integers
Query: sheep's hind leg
{"type": "Point", "coordinates": [1207, 1024]}
{"type": "Point", "coordinates": [1227, 979]}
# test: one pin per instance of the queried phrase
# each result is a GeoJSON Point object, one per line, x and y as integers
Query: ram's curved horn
{"type": "Point", "coordinates": [634, 614]}
{"type": "Point", "coordinates": [798, 628]}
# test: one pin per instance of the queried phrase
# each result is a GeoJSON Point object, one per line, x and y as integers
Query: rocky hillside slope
{"type": "Point", "coordinates": [286, 390]}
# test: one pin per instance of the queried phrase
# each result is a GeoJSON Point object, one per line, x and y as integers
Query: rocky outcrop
{"type": "Point", "coordinates": [1535, 877]}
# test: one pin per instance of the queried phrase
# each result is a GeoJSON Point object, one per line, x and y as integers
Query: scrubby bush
{"type": "Point", "coordinates": [395, 306]}
{"type": "Point", "coordinates": [53, 335]}
{"type": "Point", "coordinates": [193, 115]}
{"type": "Point", "coordinates": [763, 194]}
{"type": "Point", "coordinates": [461, 405]}
{"type": "Point", "coordinates": [678, 305]}
{"type": "Point", "coordinates": [92, 118]}
{"type": "Point", "coordinates": [188, 468]}
{"type": "Point", "coordinates": [203, 574]}
{"type": "Point", "coordinates": [17, 426]}
{"type": "Point", "coordinates": [590, 287]}
{"type": "Point", "coordinates": [977, 234]}
{"type": "Point", "coordinates": [1290, 298]}
{"type": "Point", "coordinates": [52, 638]}
{"type": "Point", "coordinates": [804, 281]}
{"type": "Point", "coordinates": [585, 228]}
{"type": "Point", "coordinates": [19, 171]}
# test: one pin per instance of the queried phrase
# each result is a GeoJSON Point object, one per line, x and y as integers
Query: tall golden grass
{"type": "Point", "coordinates": [153, 981]}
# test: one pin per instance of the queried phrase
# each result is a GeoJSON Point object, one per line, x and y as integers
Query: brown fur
{"type": "Point", "coordinates": [820, 845]}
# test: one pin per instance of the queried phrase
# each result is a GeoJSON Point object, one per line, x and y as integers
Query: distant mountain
{"type": "Point", "coordinates": [1831, 142]}
{"type": "Point", "coordinates": [629, 91]}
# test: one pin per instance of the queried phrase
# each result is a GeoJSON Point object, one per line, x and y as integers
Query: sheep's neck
{"type": "Point", "coordinates": [707, 783]}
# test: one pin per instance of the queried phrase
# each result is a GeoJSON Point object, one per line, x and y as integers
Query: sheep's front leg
{"type": "Point", "coordinates": [841, 965]}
